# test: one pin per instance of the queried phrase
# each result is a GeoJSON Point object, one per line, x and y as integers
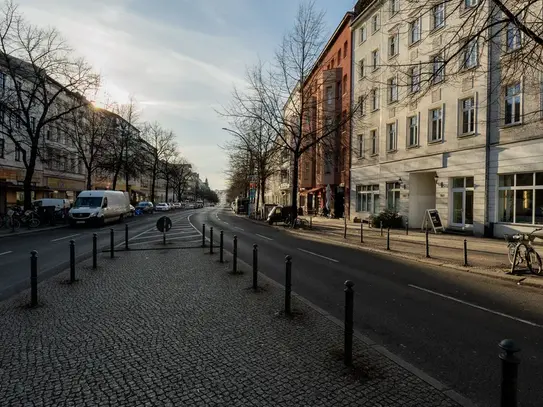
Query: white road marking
{"type": "Point", "coordinates": [238, 228]}
{"type": "Point", "coordinates": [167, 240]}
{"type": "Point", "coordinates": [1, 254]}
{"type": "Point", "coordinates": [135, 237]}
{"type": "Point", "coordinates": [264, 237]}
{"type": "Point", "coordinates": [469, 304]}
{"type": "Point", "coordinates": [65, 237]}
{"type": "Point", "coordinates": [319, 255]}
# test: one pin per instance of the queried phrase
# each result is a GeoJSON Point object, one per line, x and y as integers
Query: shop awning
{"type": "Point", "coordinates": [310, 191]}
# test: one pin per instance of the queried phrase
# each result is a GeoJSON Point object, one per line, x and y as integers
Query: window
{"type": "Point", "coordinates": [375, 24]}
{"type": "Point", "coordinates": [414, 79]}
{"type": "Point", "coordinates": [462, 201]}
{"type": "Point", "coordinates": [2, 147]}
{"type": "Point", "coordinates": [345, 84]}
{"type": "Point", "coordinates": [471, 53]}
{"type": "Point", "coordinates": [520, 198]}
{"type": "Point", "coordinates": [438, 15]}
{"type": "Point", "coordinates": [360, 146]}
{"type": "Point", "coordinates": [391, 137]}
{"type": "Point", "coordinates": [362, 105]}
{"type": "Point", "coordinates": [374, 142]}
{"type": "Point", "coordinates": [361, 69]}
{"type": "Point", "coordinates": [392, 90]}
{"type": "Point", "coordinates": [17, 122]}
{"type": "Point", "coordinates": [2, 80]}
{"type": "Point", "coordinates": [363, 34]}
{"type": "Point", "coordinates": [393, 45]}
{"type": "Point", "coordinates": [333, 63]}
{"type": "Point", "coordinates": [33, 123]}
{"type": "Point", "coordinates": [338, 86]}
{"type": "Point", "coordinates": [413, 131]}
{"type": "Point", "coordinates": [436, 124]}
{"type": "Point", "coordinates": [2, 115]}
{"type": "Point", "coordinates": [512, 104]}
{"type": "Point", "coordinates": [17, 153]}
{"type": "Point", "coordinates": [438, 68]}
{"type": "Point", "coordinates": [367, 198]}
{"type": "Point", "coordinates": [330, 95]}
{"type": "Point", "coordinates": [513, 37]}
{"type": "Point", "coordinates": [468, 115]}
{"type": "Point", "coordinates": [393, 196]}
{"type": "Point", "coordinates": [394, 6]}
{"type": "Point", "coordinates": [469, 3]}
{"type": "Point", "coordinates": [414, 31]}
{"type": "Point", "coordinates": [345, 47]}
{"type": "Point", "coordinates": [374, 99]}
{"type": "Point", "coordinates": [375, 59]}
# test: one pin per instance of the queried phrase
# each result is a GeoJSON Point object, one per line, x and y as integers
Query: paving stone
{"type": "Point", "coordinates": [174, 328]}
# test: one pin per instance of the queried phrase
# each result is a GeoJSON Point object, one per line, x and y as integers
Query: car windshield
{"type": "Point", "coordinates": [143, 204]}
{"type": "Point", "coordinates": [90, 202]}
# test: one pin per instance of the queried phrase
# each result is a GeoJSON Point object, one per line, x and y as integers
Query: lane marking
{"type": "Point", "coordinates": [1, 254]}
{"type": "Point", "coordinates": [469, 304]}
{"type": "Point", "coordinates": [264, 237]}
{"type": "Point", "coordinates": [65, 237]}
{"type": "Point", "coordinates": [238, 228]}
{"type": "Point", "coordinates": [318, 255]}
{"type": "Point", "coordinates": [168, 240]}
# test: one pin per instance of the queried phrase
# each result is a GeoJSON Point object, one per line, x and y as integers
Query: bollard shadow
{"type": "Point", "coordinates": [259, 289]}
{"type": "Point", "coordinates": [294, 315]}
{"type": "Point", "coordinates": [68, 282]}
{"type": "Point", "coordinates": [361, 370]}
{"type": "Point", "coordinates": [236, 273]}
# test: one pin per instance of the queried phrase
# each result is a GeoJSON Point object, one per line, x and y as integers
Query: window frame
{"type": "Point", "coordinates": [435, 11]}
{"type": "Point", "coordinates": [375, 60]}
{"type": "Point", "coordinates": [431, 120]}
{"type": "Point", "coordinates": [17, 153]}
{"type": "Point", "coordinates": [369, 191]}
{"type": "Point", "coordinates": [395, 190]}
{"type": "Point", "coordinates": [375, 102]}
{"type": "Point", "coordinates": [361, 147]}
{"type": "Point", "coordinates": [518, 35]}
{"type": "Point", "coordinates": [374, 139]}
{"type": "Point", "coordinates": [520, 101]}
{"type": "Point", "coordinates": [392, 90]}
{"type": "Point", "coordinates": [416, 23]}
{"type": "Point", "coordinates": [2, 148]}
{"type": "Point", "coordinates": [393, 45]}
{"type": "Point", "coordinates": [412, 88]}
{"type": "Point", "coordinates": [375, 23]}
{"type": "Point", "coordinates": [533, 187]}
{"type": "Point", "coordinates": [392, 136]}
{"type": "Point", "coordinates": [438, 74]}
{"type": "Point", "coordinates": [417, 131]}
{"type": "Point", "coordinates": [393, 7]}
{"type": "Point", "coordinates": [470, 52]}
{"type": "Point", "coordinates": [363, 34]}
{"type": "Point", "coordinates": [472, 113]}
{"type": "Point", "coordinates": [361, 69]}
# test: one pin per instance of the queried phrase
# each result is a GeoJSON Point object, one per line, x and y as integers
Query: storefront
{"type": "Point", "coordinates": [64, 188]}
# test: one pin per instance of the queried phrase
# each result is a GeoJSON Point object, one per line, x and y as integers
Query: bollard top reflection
{"type": "Point", "coordinates": [509, 346]}
{"type": "Point", "coordinates": [349, 284]}
{"type": "Point", "coordinates": [288, 257]}
{"type": "Point", "coordinates": [34, 252]}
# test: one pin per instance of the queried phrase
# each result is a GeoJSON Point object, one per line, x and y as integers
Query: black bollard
{"type": "Point", "coordinates": [361, 231]}
{"type": "Point", "coordinates": [427, 245]}
{"type": "Point", "coordinates": [72, 261]}
{"type": "Point", "coordinates": [388, 238]}
{"type": "Point", "coordinates": [255, 267]}
{"type": "Point", "coordinates": [465, 253]}
{"type": "Point", "coordinates": [221, 246]}
{"type": "Point", "coordinates": [203, 235]}
{"type": "Point", "coordinates": [510, 364]}
{"type": "Point", "coordinates": [235, 256]}
{"type": "Point", "coordinates": [164, 230]}
{"type": "Point", "coordinates": [406, 227]}
{"type": "Point", "coordinates": [381, 228]}
{"type": "Point", "coordinates": [94, 250]}
{"type": "Point", "coordinates": [33, 278]}
{"type": "Point", "coordinates": [288, 283]}
{"type": "Point", "coordinates": [111, 243]}
{"type": "Point", "coordinates": [348, 334]}
{"type": "Point", "coordinates": [211, 240]}
{"type": "Point", "coordinates": [126, 237]}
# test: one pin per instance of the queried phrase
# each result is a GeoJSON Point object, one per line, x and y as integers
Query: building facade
{"type": "Point", "coordinates": [325, 168]}
{"type": "Point", "coordinates": [420, 137]}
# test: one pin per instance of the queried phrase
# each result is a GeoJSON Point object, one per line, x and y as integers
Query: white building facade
{"type": "Point", "coordinates": [441, 124]}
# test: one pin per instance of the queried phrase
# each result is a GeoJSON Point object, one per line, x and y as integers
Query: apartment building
{"type": "Point", "coordinates": [420, 136]}
{"type": "Point", "coordinates": [325, 167]}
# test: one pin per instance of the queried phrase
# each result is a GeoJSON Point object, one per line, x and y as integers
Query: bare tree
{"type": "Point", "coordinates": [42, 82]}
{"type": "Point", "coordinates": [180, 174]}
{"type": "Point", "coordinates": [287, 92]}
{"type": "Point", "coordinates": [88, 129]}
{"type": "Point", "coordinates": [162, 146]}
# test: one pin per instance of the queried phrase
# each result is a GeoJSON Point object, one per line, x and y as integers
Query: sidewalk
{"type": "Point", "coordinates": [175, 328]}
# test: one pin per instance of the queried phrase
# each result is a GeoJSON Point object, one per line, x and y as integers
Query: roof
{"type": "Point", "coordinates": [360, 7]}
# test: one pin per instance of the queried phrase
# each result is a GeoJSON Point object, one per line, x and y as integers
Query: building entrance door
{"type": "Point", "coordinates": [462, 202]}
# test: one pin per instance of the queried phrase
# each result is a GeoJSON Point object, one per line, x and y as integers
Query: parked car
{"type": "Point", "coordinates": [146, 207]}
{"type": "Point", "coordinates": [176, 205]}
{"type": "Point", "coordinates": [99, 207]}
{"type": "Point", "coordinates": [132, 212]}
{"type": "Point", "coordinates": [57, 203]}
{"type": "Point", "coordinates": [280, 213]}
{"type": "Point", "coordinates": [162, 207]}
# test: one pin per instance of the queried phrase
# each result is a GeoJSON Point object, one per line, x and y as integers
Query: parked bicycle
{"type": "Point", "coordinates": [27, 218]}
{"type": "Point", "coordinates": [521, 245]}
{"type": "Point", "coordinates": [9, 220]}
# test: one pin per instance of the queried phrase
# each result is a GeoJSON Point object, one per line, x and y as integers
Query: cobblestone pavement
{"type": "Point", "coordinates": [174, 328]}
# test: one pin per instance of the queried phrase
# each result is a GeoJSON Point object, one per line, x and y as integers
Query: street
{"type": "Point", "coordinates": [53, 247]}
{"type": "Point", "coordinates": [443, 322]}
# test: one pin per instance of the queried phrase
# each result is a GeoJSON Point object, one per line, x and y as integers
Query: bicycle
{"type": "Point", "coordinates": [521, 245]}
{"type": "Point", "coordinates": [9, 220]}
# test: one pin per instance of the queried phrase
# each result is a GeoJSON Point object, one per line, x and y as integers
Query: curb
{"type": "Point", "coordinates": [29, 232]}
{"type": "Point", "coordinates": [447, 391]}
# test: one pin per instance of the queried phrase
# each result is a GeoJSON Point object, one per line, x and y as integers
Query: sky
{"type": "Point", "coordinates": [179, 58]}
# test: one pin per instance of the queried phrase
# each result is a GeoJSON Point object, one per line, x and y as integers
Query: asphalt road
{"type": "Point", "coordinates": [442, 321]}
{"type": "Point", "coordinates": [53, 248]}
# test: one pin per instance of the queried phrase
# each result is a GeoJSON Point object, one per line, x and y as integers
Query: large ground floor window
{"type": "Point", "coordinates": [520, 198]}
{"type": "Point", "coordinates": [393, 196]}
{"type": "Point", "coordinates": [367, 198]}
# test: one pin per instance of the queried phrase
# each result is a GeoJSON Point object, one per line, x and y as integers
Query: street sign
{"type": "Point", "coordinates": [435, 220]}
{"type": "Point", "coordinates": [164, 224]}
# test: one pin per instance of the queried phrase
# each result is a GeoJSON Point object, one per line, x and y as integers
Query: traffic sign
{"type": "Point", "coordinates": [164, 224]}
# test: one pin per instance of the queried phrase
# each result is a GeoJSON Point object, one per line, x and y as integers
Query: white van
{"type": "Point", "coordinates": [57, 203]}
{"type": "Point", "coordinates": [99, 207]}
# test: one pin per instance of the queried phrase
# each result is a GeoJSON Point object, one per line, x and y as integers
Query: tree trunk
{"type": "Point", "coordinates": [89, 180]}
{"type": "Point", "coordinates": [114, 183]}
{"type": "Point", "coordinates": [126, 179]}
{"type": "Point", "coordinates": [27, 185]}
{"type": "Point", "coordinates": [167, 187]}
{"type": "Point", "coordinates": [295, 185]}
{"type": "Point", "coordinates": [153, 184]}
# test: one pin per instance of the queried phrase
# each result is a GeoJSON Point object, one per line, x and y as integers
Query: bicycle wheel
{"type": "Point", "coordinates": [33, 222]}
{"type": "Point", "coordinates": [520, 255]}
{"type": "Point", "coordinates": [534, 262]}
{"type": "Point", "coordinates": [13, 223]}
